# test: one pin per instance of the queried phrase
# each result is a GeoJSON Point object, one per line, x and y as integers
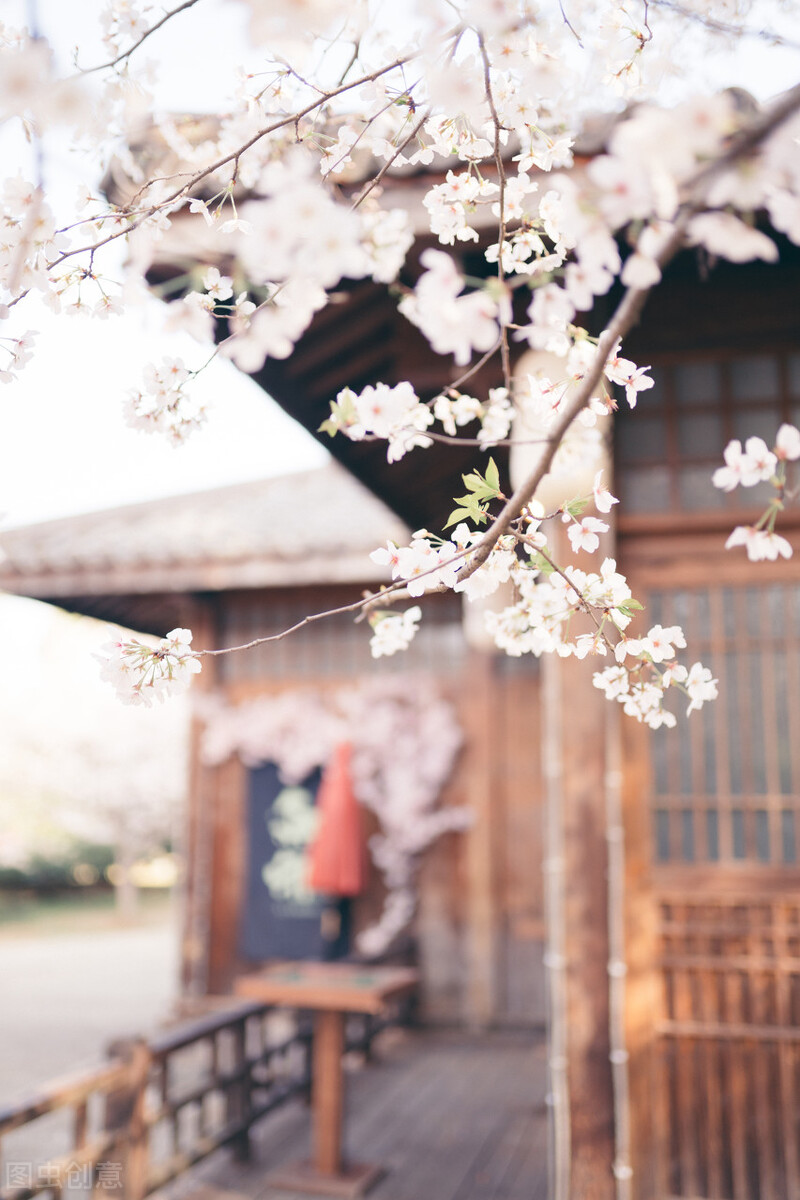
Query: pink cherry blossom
{"type": "Point", "coordinates": [787, 443]}
{"type": "Point", "coordinates": [760, 544]}
{"type": "Point", "coordinates": [603, 500]}
{"type": "Point", "coordinates": [583, 534]}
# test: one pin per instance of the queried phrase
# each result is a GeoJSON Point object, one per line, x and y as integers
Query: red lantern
{"type": "Point", "coordinates": [336, 856]}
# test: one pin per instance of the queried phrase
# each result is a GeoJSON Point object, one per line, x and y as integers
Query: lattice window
{"type": "Point", "coordinates": [667, 450]}
{"type": "Point", "coordinates": [728, 1059]}
{"type": "Point", "coordinates": [726, 782]}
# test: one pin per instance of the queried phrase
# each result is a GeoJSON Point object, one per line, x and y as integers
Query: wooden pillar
{"type": "Point", "coordinates": [644, 998]}
{"type": "Point", "coordinates": [198, 828]}
{"type": "Point", "coordinates": [574, 734]}
{"type": "Point", "coordinates": [581, 714]}
{"type": "Point", "coordinates": [125, 1119]}
{"type": "Point", "coordinates": [482, 915]}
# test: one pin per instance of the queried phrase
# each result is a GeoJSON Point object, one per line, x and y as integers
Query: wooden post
{"type": "Point", "coordinates": [643, 993]}
{"type": "Point", "coordinates": [481, 858]}
{"type": "Point", "coordinates": [125, 1118]}
{"type": "Point", "coordinates": [198, 831]}
{"type": "Point", "coordinates": [574, 723]}
{"type": "Point", "coordinates": [327, 1050]}
{"type": "Point", "coordinates": [239, 1097]}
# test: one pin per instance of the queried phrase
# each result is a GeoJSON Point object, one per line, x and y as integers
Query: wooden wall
{"type": "Point", "coordinates": [479, 924]}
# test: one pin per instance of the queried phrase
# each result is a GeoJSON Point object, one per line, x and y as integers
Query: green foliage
{"type": "Point", "coordinates": [480, 490]}
{"type": "Point", "coordinates": [576, 507]}
{"type": "Point", "coordinates": [630, 607]}
{"type": "Point", "coordinates": [343, 414]}
{"type": "Point", "coordinates": [541, 564]}
{"type": "Point", "coordinates": [54, 872]}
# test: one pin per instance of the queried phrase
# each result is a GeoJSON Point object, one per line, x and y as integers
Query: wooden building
{"type": "Point", "coordinates": [710, 880]}
{"type": "Point", "coordinates": [239, 562]}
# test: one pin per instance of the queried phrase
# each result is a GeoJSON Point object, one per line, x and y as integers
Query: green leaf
{"type": "Point", "coordinates": [576, 507]}
{"type": "Point", "coordinates": [493, 476]}
{"type": "Point", "coordinates": [343, 413]}
{"type": "Point", "coordinates": [458, 515]}
{"type": "Point", "coordinates": [541, 564]}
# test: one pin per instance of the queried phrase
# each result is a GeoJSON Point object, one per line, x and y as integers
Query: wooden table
{"type": "Point", "coordinates": [331, 991]}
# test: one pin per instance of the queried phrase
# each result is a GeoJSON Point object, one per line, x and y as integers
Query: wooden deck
{"type": "Point", "coordinates": [450, 1116]}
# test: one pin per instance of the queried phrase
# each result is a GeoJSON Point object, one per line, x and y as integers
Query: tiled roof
{"type": "Point", "coordinates": [313, 527]}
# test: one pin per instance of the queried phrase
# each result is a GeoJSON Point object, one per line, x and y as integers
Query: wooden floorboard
{"type": "Point", "coordinates": [449, 1116]}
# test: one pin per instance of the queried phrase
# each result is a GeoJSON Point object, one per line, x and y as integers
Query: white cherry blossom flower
{"type": "Point", "coordinates": [143, 674]}
{"type": "Point", "coordinates": [700, 687]}
{"type": "Point", "coordinates": [627, 374]}
{"type": "Point", "coordinates": [787, 443]}
{"type": "Point", "coordinates": [453, 323]}
{"type": "Point", "coordinates": [760, 544]}
{"type": "Point", "coordinates": [660, 643]}
{"type": "Point", "coordinates": [392, 632]}
{"type": "Point", "coordinates": [724, 234]}
{"type": "Point", "coordinates": [219, 287]}
{"type": "Point", "coordinates": [730, 476]}
{"type": "Point", "coordinates": [603, 500]}
{"type": "Point", "coordinates": [674, 673]}
{"type": "Point", "coordinates": [613, 681]}
{"type": "Point", "coordinates": [583, 534]}
{"type": "Point", "coordinates": [758, 463]}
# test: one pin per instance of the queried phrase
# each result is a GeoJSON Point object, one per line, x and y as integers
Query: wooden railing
{"type": "Point", "coordinates": [160, 1105]}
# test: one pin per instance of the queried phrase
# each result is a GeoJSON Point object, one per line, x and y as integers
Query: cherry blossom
{"type": "Point", "coordinates": [142, 674]}
{"type": "Point", "coordinates": [453, 323]}
{"type": "Point", "coordinates": [628, 375]}
{"type": "Point", "coordinates": [583, 534]}
{"type": "Point", "coordinates": [787, 443]}
{"type": "Point", "coordinates": [393, 413]}
{"type": "Point", "coordinates": [761, 544]}
{"type": "Point", "coordinates": [163, 405]}
{"type": "Point", "coordinates": [393, 631]}
{"type": "Point", "coordinates": [700, 687]}
{"type": "Point", "coordinates": [603, 500]}
{"type": "Point", "coordinates": [756, 463]}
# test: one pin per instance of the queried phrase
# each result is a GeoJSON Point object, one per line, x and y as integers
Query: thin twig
{"type": "Point", "coordinates": [725, 27]}
{"type": "Point", "coordinates": [127, 53]}
{"type": "Point", "coordinates": [373, 183]}
{"type": "Point", "coordinates": [181, 193]}
{"type": "Point", "coordinates": [505, 356]}
{"type": "Point", "coordinates": [569, 25]}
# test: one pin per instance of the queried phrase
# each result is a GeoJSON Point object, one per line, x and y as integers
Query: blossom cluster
{"type": "Point", "coordinates": [755, 464]}
{"type": "Point", "coordinates": [393, 631]}
{"type": "Point", "coordinates": [163, 404]}
{"type": "Point", "coordinates": [286, 194]}
{"type": "Point", "coordinates": [554, 610]}
{"type": "Point", "coordinates": [643, 698]}
{"type": "Point", "coordinates": [142, 674]}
